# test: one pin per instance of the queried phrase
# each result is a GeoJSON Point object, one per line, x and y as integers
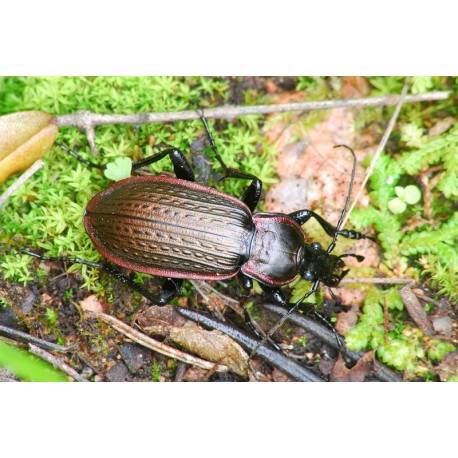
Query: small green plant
{"type": "Point", "coordinates": [52, 316]}
{"type": "Point", "coordinates": [401, 346]}
{"type": "Point", "coordinates": [119, 169]}
{"type": "Point", "coordinates": [409, 195]}
{"type": "Point", "coordinates": [155, 372]}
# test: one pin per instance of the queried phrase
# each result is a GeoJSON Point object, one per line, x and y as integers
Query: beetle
{"type": "Point", "coordinates": [175, 228]}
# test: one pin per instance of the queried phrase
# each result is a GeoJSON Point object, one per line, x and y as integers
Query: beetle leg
{"type": "Point", "coordinates": [310, 311]}
{"type": "Point", "coordinates": [252, 194]}
{"type": "Point", "coordinates": [171, 288]}
{"type": "Point", "coordinates": [302, 216]}
{"type": "Point", "coordinates": [276, 294]}
{"type": "Point", "coordinates": [180, 164]}
{"type": "Point", "coordinates": [247, 285]}
{"type": "Point", "coordinates": [245, 281]}
{"type": "Point", "coordinates": [108, 269]}
{"type": "Point", "coordinates": [253, 191]}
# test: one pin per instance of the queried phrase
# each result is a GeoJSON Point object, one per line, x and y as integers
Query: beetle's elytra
{"type": "Point", "coordinates": [175, 228]}
{"type": "Point", "coordinates": [171, 228]}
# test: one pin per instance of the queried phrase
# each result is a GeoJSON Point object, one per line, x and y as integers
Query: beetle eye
{"type": "Point", "coordinates": [316, 246]}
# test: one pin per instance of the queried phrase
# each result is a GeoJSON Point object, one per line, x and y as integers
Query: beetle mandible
{"type": "Point", "coordinates": [178, 229]}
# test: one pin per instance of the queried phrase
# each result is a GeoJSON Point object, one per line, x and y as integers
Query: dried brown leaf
{"type": "Point", "coordinates": [357, 373]}
{"type": "Point", "coordinates": [354, 87]}
{"type": "Point", "coordinates": [24, 138]}
{"type": "Point", "coordinates": [416, 311]}
{"type": "Point", "coordinates": [158, 320]}
{"type": "Point", "coordinates": [212, 346]}
{"type": "Point", "coordinates": [448, 367]}
{"type": "Point", "coordinates": [91, 304]}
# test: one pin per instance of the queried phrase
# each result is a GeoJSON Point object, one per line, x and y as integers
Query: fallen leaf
{"type": "Point", "coordinates": [91, 304]}
{"type": "Point", "coordinates": [415, 310]}
{"type": "Point", "coordinates": [158, 320]}
{"type": "Point", "coordinates": [448, 367]}
{"type": "Point", "coordinates": [363, 367]}
{"type": "Point", "coordinates": [442, 126]}
{"type": "Point", "coordinates": [24, 138]}
{"type": "Point", "coordinates": [354, 87]}
{"type": "Point", "coordinates": [345, 321]}
{"type": "Point", "coordinates": [212, 346]}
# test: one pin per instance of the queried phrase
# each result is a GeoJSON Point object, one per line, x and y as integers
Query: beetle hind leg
{"type": "Point", "coordinates": [171, 287]}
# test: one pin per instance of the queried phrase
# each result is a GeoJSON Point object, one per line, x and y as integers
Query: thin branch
{"type": "Point", "coordinates": [86, 119]}
{"type": "Point", "coordinates": [389, 128]}
{"type": "Point", "coordinates": [58, 363]}
{"type": "Point", "coordinates": [24, 337]}
{"type": "Point", "coordinates": [155, 345]}
{"type": "Point", "coordinates": [6, 376]}
{"type": "Point", "coordinates": [379, 280]}
{"type": "Point", "coordinates": [37, 165]}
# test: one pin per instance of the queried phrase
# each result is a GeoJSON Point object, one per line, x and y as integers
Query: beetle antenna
{"type": "Point", "coordinates": [200, 112]}
{"type": "Point", "coordinates": [332, 245]}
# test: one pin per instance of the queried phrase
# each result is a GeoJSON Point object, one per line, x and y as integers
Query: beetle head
{"type": "Point", "coordinates": [318, 265]}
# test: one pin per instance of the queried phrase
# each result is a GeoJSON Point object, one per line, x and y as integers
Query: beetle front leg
{"type": "Point", "coordinates": [302, 216]}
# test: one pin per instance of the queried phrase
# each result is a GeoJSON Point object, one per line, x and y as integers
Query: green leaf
{"type": "Point", "coordinates": [412, 194]}
{"type": "Point", "coordinates": [396, 206]}
{"type": "Point", "coordinates": [119, 169]}
{"type": "Point", "coordinates": [27, 367]}
{"type": "Point", "coordinates": [400, 192]}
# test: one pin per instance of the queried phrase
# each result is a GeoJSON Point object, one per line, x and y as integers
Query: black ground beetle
{"type": "Point", "coordinates": [178, 229]}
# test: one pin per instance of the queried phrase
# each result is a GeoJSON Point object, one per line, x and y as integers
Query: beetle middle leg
{"type": "Point", "coordinates": [252, 193]}
{"type": "Point", "coordinates": [181, 166]}
{"type": "Point", "coordinates": [247, 285]}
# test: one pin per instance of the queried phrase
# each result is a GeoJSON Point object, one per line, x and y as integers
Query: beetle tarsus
{"type": "Point", "coordinates": [171, 288]}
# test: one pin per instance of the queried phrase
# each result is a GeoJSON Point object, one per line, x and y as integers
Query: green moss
{"type": "Point", "coordinates": [46, 213]}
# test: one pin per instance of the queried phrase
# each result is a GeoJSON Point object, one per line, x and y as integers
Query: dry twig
{"type": "Point", "coordinates": [58, 363]}
{"type": "Point", "coordinates": [24, 337]}
{"type": "Point", "coordinates": [155, 345]}
{"type": "Point", "coordinates": [381, 371]}
{"type": "Point", "coordinates": [21, 180]}
{"type": "Point", "coordinates": [386, 135]}
{"type": "Point", "coordinates": [379, 280]}
{"type": "Point", "coordinates": [86, 119]}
